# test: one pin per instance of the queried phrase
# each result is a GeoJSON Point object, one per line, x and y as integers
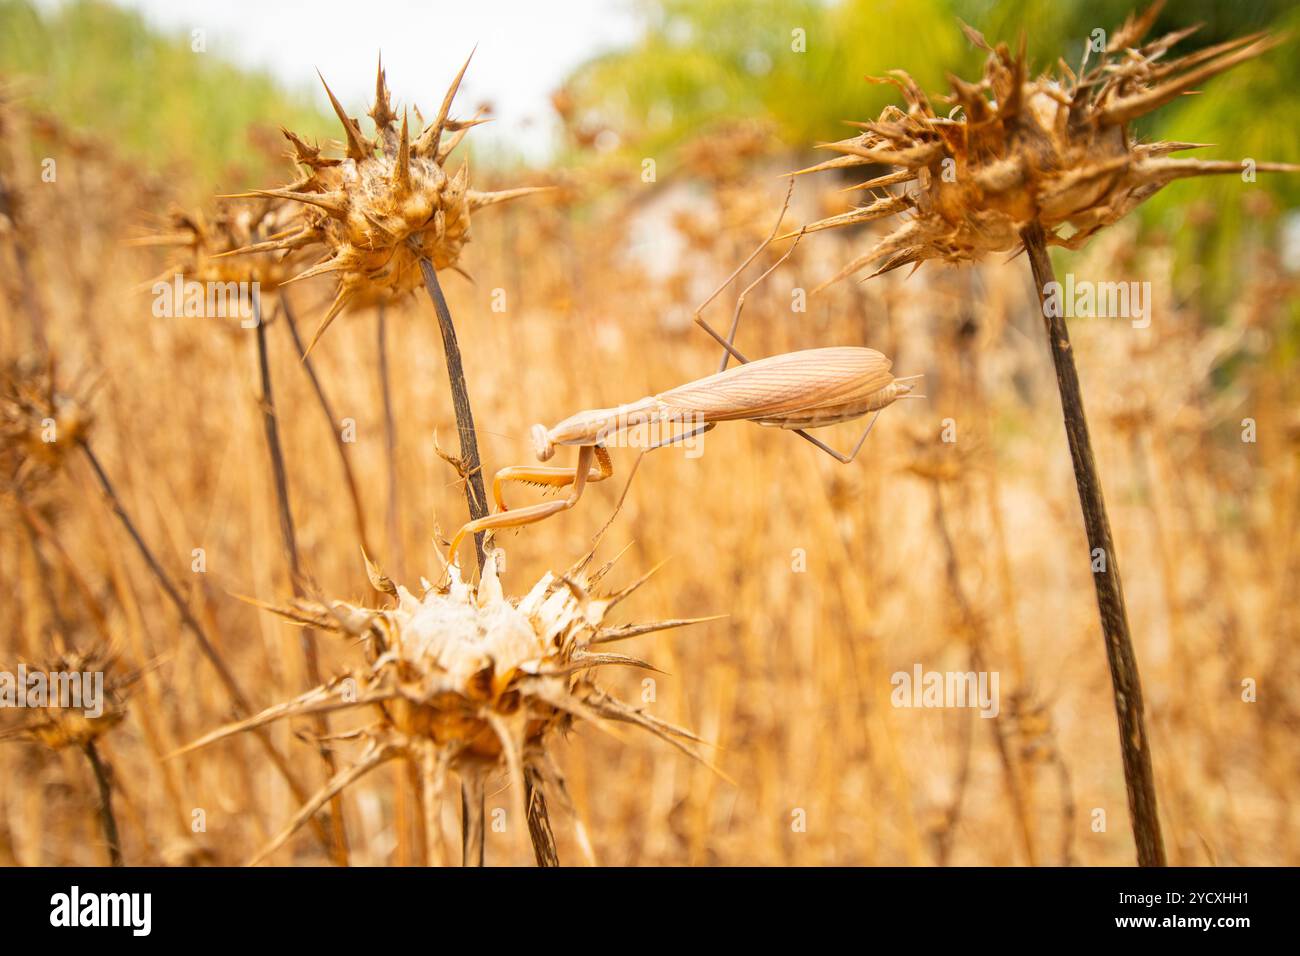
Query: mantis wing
{"type": "Point", "coordinates": [772, 387]}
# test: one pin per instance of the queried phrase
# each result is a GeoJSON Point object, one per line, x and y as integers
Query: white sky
{"type": "Point", "coordinates": [525, 48]}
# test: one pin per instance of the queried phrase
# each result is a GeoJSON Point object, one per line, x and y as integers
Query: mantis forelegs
{"type": "Point", "coordinates": [555, 477]}
{"type": "Point", "coordinates": [551, 476]}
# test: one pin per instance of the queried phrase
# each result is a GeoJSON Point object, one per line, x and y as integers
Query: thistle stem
{"type": "Point", "coordinates": [106, 818]}
{"type": "Point", "coordinates": [475, 492]}
{"type": "Point", "coordinates": [390, 443]}
{"type": "Point", "coordinates": [539, 823]}
{"type": "Point", "coordinates": [322, 399]}
{"type": "Point", "coordinates": [539, 826]}
{"type": "Point", "coordinates": [472, 818]}
{"type": "Point", "coordinates": [35, 313]}
{"type": "Point", "coordinates": [397, 556]}
{"type": "Point", "coordinates": [236, 693]}
{"type": "Point", "coordinates": [471, 803]}
{"type": "Point", "coordinates": [289, 535]}
{"type": "Point", "coordinates": [1134, 742]}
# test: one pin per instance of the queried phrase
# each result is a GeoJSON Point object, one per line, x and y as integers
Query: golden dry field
{"type": "Point", "coordinates": [147, 475]}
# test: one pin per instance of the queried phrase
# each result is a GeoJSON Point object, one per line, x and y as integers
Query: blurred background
{"type": "Point", "coordinates": [666, 127]}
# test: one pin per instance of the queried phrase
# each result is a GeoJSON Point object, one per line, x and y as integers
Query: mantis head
{"type": "Point", "coordinates": [543, 447]}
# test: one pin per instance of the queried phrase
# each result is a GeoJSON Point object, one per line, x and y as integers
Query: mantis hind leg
{"type": "Point", "coordinates": [557, 477]}
{"type": "Point", "coordinates": [728, 343]}
{"type": "Point", "coordinates": [839, 455]}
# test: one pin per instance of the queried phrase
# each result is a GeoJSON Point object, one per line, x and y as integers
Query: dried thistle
{"type": "Point", "coordinates": [204, 243]}
{"type": "Point", "coordinates": [1056, 150]}
{"type": "Point", "coordinates": [57, 726]}
{"type": "Point", "coordinates": [382, 208]}
{"type": "Point", "coordinates": [40, 424]}
{"type": "Point", "coordinates": [467, 680]}
{"type": "Point", "coordinates": [1028, 164]}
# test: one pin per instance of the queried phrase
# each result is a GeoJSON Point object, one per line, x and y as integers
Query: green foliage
{"type": "Point", "coordinates": [103, 71]}
{"type": "Point", "coordinates": [701, 61]}
{"type": "Point", "coordinates": [1246, 114]}
{"type": "Point", "coordinates": [1059, 28]}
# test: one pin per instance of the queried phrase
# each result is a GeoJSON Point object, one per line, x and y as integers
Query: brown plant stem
{"type": "Point", "coordinates": [476, 496]}
{"type": "Point", "coordinates": [238, 699]}
{"type": "Point", "coordinates": [28, 288]}
{"type": "Point", "coordinates": [403, 779]}
{"type": "Point", "coordinates": [41, 530]}
{"type": "Point", "coordinates": [539, 823]}
{"type": "Point", "coordinates": [977, 637]}
{"type": "Point", "coordinates": [289, 536]}
{"type": "Point", "coordinates": [425, 776]}
{"type": "Point", "coordinates": [946, 832]}
{"type": "Point", "coordinates": [475, 492]}
{"type": "Point", "coordinates": [472, 818]}
{"type": "Point", "coordinates": [106, 818]}
{"type": "Point", "coordinates": [390, 444]}
{"type": "Point", "coordinates": [1135, 746]}
{"type": "Point", "coordinates": [288, 533]}
{"type": "Point", "coordinates": [349, 477]}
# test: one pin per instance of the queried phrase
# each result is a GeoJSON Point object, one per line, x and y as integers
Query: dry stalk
{"type": "Point", "coordinates": [977, 636]}
{"type": "Point", "coordinates": [289, 537]}
{"type": "Point", "coordinates": [539, 823]}
{"type": "Point", "coordinates": [475, 492]}
{"type": "Point", "coordinates": [107, 819]}
{"type": "Point", "coordinates": [1135, 748]}
{"type": "Point", "coordinates": [402, 773]}
{"type": "Point", "coordinates": [234, 691]}
{"type": "Point", "coordinates": [349, 477]}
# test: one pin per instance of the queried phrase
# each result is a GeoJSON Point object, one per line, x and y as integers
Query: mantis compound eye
{"type": "Point", "coordinates": [542, 443]}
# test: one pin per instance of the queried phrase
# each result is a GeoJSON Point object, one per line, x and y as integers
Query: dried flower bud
{"type": "Point", "coordinates": [385, 206]}
{"type": "Point", "coordinates": [1056, 150]}
{"type": "Point", "coordinates": [470, 680]}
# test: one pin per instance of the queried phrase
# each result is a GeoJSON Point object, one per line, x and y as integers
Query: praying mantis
{"type": "Point", "coordinates": [810, 388]}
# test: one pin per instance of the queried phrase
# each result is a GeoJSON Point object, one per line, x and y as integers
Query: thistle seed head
{"type": "Point", "coordinates": [57, 726]}
{"type": "Point", "coordinates": [234, 244]}
{"type": "Point", "coordinates": [469, 680]}
{"type": "Point", "coordinates": [384, 206]}
{"type": "Point", "coordinates": [40, 424]}
{"type": "Point", "coordinates": [1056, 150]}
